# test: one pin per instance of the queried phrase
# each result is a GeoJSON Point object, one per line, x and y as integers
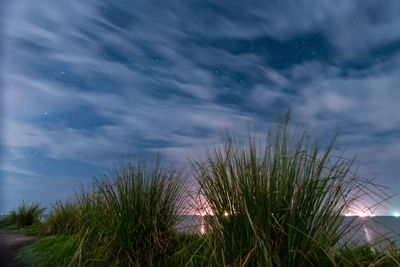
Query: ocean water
{"type": "Point", "coordinates": [370, 230]}
{"type": "Point", "coordinates": [374, 229]}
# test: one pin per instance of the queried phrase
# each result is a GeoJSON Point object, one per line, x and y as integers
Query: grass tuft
{"type": "Point", "coordinates": [128, 217]}
{"type": "Point", "coordinates": [63, 218]}
{"type": "Point", "coordinates": [25, 215]}
{"type": "Point", "coordinates": [276, 205]}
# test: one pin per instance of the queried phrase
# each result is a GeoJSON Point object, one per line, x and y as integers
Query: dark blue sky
{"type": "Point", "coordinates": [86, 84]}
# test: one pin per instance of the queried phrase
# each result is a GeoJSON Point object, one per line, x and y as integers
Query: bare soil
{"type": "Point", "coordinates": [10, 244]}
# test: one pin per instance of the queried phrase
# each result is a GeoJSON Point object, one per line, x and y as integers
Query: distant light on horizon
{"type": "Point", "coordinates": [360, 213]}
{"type": "Point", "coordinates": [396, 214]}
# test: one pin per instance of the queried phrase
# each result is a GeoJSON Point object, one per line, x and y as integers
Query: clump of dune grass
{"type": "Point", "coordinates": [63, 218]}
{"type": "Point", "coordinates": [278, 204]}
{"type": "Point", "coordinates": [127, 217]}
{"type": "Point", "coordinates": [25, 215]}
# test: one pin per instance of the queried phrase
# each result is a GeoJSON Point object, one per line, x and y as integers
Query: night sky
{"type": "Point", "coordinates": [89, 84]}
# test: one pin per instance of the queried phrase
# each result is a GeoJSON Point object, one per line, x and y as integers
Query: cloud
{"type": "Point", "coordinates": [17, 170]}
{"type": "Point", "coordinates": [361, 98]}
{"type": "Point", "coordinates": [138, 106]}
{"type": "Point", "coordinates": [96, 82]}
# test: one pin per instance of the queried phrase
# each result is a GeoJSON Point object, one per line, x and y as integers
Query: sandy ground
{"type": "Point", "coordinates": [10, 244]}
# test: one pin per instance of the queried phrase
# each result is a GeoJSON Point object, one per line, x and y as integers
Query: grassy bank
{"type": "Point", "coordinates": [278, 203]}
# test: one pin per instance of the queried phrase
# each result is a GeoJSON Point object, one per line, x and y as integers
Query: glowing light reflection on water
{"type": "Point", "coordinates": [366, 229]}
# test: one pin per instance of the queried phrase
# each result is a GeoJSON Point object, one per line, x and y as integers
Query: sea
{"type": "Point", "coordinates": [376, 231]}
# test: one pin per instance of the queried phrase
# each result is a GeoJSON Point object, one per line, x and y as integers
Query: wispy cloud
{"type": "Point", "coordinates": [94, 82]}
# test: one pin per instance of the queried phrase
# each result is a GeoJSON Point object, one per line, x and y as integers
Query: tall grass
{"type": "Point", "coordinates": [276, 205]}
{"type": "Point", "coordinates": [63, 218]}
{"type": "Point", "coordinates": [127, 217]}
{"type": "Point", "coordinates": [25, 215]}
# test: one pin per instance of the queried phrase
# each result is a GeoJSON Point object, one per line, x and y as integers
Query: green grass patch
{"type": "Point", "coordinates": [61, 250]}
{"type": "Point", "coordinates": [50, 251]}
{"type": "Point", "coordinates": [37, 228]}
{"type": "Point", "coordinates": [9, 227]}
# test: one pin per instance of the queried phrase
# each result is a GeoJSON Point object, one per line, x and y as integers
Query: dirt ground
{"type": "Point", "coordinates": [10, 244]}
